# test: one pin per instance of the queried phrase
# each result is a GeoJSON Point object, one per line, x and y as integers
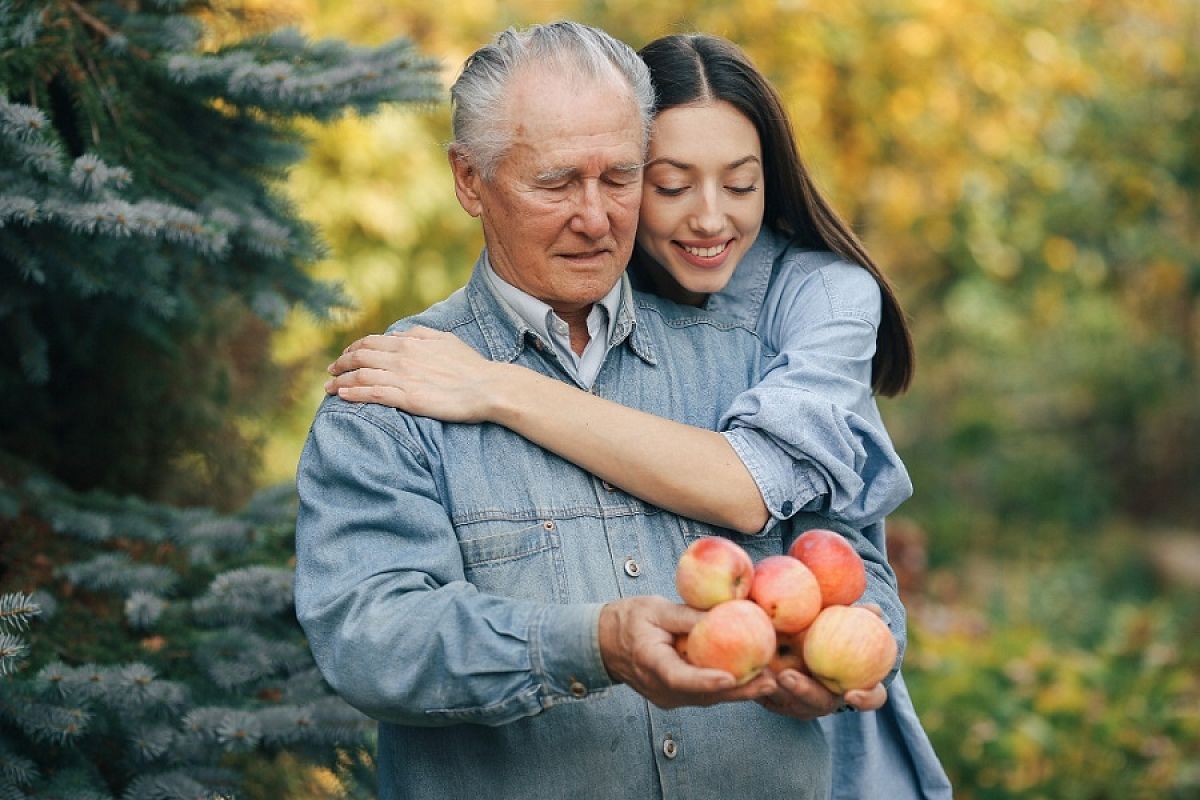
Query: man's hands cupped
{"type": "Point", "coordinates": [637, 644]}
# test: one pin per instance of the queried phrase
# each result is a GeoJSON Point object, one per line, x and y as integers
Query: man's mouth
{"type": "Point", "coordinates": [585, 255]}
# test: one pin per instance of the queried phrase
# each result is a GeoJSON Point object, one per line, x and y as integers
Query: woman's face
{"type": "Point", "coordinates": [702, 200]}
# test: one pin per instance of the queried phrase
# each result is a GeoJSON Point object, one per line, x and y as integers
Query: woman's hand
{"type": "Point", "coordinates": [421, 371]}
{"type": "Point", "coordinates": [803, 697]}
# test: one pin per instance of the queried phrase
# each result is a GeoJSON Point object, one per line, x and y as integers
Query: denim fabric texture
{"type": "Point", "coordinates": [811, 435]}
{"type": "Point", "coordinates": [450, 579]}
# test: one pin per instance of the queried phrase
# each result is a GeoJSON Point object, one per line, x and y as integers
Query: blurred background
{"type": "Point", "coordinates": [1028, 175]}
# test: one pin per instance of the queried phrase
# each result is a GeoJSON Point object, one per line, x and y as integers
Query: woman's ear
{"type": "Point", "coordinates": [466, 181]}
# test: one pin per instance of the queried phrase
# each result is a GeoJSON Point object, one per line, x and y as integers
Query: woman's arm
{"type": "Point", "coordinates": [688, 470]}
{"type": "Point", "coordinates": [807, 437]}
{"type": "Point", "coordinates": [810, 431]}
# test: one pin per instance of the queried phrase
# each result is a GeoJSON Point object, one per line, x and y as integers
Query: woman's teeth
{"type": "Point", "coordinates": [706, 252]}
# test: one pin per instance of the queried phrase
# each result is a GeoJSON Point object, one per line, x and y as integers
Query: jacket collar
{"type": "Point", "coordinates": [742, 298]}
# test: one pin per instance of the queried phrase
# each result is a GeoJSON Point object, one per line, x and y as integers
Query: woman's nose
{"type": "Point", "coordinates": [709, 216]}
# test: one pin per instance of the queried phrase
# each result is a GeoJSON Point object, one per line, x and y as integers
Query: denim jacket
{"type": "Point", "coordinates": [811, 434]}
{"type": "Point", "coordinates": [450, 579]}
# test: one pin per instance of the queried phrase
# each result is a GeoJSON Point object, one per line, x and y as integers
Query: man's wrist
{"type": "Point", "coordinates": [608, 635]}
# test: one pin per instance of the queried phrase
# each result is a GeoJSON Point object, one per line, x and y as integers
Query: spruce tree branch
{"type": "Point", "coordinates": [103, 29]}
{"type": "Point", "coordinates": [105, 100]}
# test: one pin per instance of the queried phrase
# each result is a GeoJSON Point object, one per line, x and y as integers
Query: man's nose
{"type": "Point", "coordinates": [591, 212]}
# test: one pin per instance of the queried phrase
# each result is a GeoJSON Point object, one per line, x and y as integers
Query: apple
{"type": "Point", "coordinates": [681, 645]}
{"type": "Point", "coordinates": [789, 653]}
{"type": "Point", "coordinates": [735, 636]}
{"type": "Point", "coordinates": [849, 647]}
{"type": "Point", "coordinates": [838, 569]}
{"type": "Point", "coordinates": [713, 570]}
{"type": "Point", "coordinates": [788, 591]}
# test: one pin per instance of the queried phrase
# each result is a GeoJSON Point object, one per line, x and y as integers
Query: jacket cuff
{"type": "Point", "coordinates": [565, 650]}
{"type": "Point", "coordinates": [785, 485]}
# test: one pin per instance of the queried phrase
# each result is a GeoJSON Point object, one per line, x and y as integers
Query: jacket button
{"type": "Point", "coordinates": [578, 690]}
{"type": "Point", "coordinates": [786, 508]}
{"type": "Point", "coordinates": [548, 525]}
{"type": "Point", "coordinates": [670, 749]}
{"type": "Point", "coordinates": [632, 569]}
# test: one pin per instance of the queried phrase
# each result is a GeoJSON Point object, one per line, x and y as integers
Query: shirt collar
{"type": "Point", "coordinates": [506, 331]}
{"type": "Point", "coordinates": [540, 316]}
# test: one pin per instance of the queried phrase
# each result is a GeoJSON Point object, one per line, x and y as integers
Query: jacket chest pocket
{"type": "Point", "coordinates": [515, 558]}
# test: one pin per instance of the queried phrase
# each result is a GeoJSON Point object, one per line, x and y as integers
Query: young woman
{"type": "Point", "coordinates": [730, 219]}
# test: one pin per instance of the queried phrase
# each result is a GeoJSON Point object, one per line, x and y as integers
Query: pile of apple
{"type": "Point", "coordinates": [791, 611]}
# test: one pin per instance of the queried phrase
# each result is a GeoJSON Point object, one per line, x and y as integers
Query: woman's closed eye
{"type": "Point", "coordinates": [675, 191]}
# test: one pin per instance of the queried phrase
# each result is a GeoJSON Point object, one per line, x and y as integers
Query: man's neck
{"type": "Point", "coordinates": [577, 324]}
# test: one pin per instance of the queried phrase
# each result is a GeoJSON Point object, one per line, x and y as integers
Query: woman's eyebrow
{"type": "Point", "coordinates": [685, 166]}
{"type": "Point", "coordinates": [668, 161]}
{"type": "Point", "coordinates": [750, 159]}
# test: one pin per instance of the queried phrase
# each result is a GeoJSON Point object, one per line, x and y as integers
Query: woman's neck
{"type": "Point", "coordinates": [666, 286]}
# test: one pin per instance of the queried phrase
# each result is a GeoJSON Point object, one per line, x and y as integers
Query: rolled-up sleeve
{"type": "Point", "coordinates": [809, 431]}
{"type": "Point", "coordinates": [392, 622]}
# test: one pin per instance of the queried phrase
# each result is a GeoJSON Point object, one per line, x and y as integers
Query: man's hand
{"type": "Point", "coordinates": [637, 643]}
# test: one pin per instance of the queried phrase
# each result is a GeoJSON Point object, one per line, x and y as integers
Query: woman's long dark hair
{"type": "Point", "coordinates": [687, 68]}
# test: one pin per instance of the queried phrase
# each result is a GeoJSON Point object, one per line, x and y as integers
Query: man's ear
{"type": "Point", "coordinates": [466, 181]}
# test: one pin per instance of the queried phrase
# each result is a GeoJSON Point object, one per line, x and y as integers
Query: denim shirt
{"type": "Point", "coordinates": [450, 579]}
{"type": "Point", "coordinates": [811, 434]}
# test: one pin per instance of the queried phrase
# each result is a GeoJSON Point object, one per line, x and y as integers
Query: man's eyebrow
{"type": "Point", "coordinates": [566, 173]}
{"type": "Point", "coordinates": [555, 175]}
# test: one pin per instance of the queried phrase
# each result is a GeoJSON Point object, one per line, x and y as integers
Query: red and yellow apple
{"type": "Point", "coordinates": [838, 569]}
{"type": "Point", "coordinates": [735, 636]}
{"type": "Point", "coordinates": [849, 647]}
{"type": "Point", "coordinates": [788, 591]}
{"type": "Point", "coordinates": [713, 570]}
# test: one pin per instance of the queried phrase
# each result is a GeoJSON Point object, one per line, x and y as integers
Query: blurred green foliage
{"type": "Point", "coordinates": [1061, 677]}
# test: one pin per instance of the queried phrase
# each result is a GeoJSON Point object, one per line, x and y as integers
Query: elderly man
{"type": "Point", "coordinates": [502, 612]}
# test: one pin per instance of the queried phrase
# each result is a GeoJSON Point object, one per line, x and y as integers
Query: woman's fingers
{"type": "Point", "coordinates": [867, 699]}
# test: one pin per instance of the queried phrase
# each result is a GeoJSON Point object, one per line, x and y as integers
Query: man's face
{"type": "Point", "coordinates": [560, 214]}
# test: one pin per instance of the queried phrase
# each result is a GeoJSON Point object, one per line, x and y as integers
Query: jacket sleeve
{"type": "Point", "coordinates": [393, 625]}
{"type": "Point", "coordinates": [809, 431]}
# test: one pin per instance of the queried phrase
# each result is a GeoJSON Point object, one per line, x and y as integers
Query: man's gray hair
{"type": "Point", "coordinates": [478, 96]}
